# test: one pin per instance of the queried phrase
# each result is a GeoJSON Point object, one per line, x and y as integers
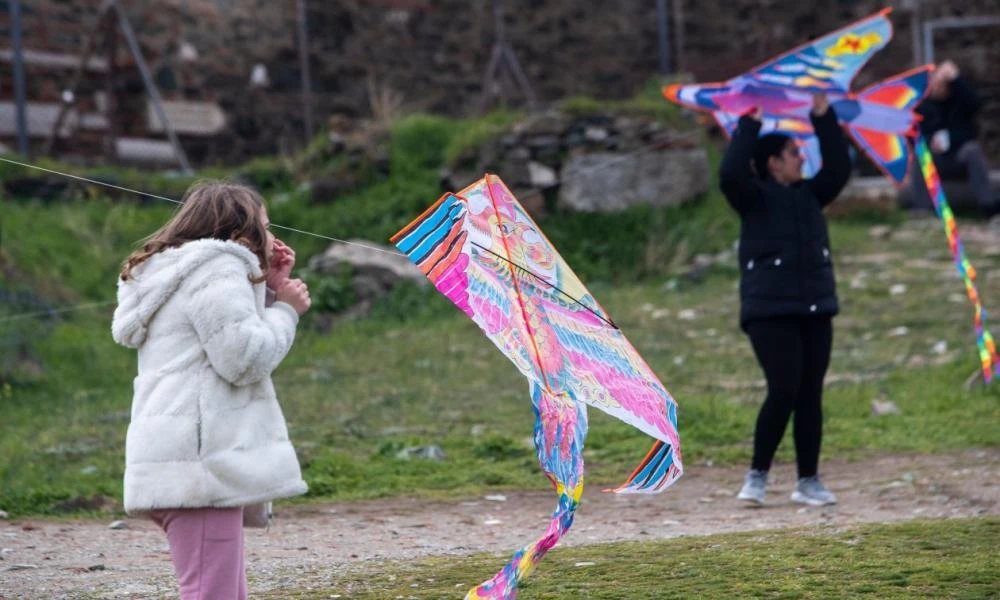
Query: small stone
{"type": "Point", "coordinates": [687, 315]}
{"type": "Point", "coordinates": [541, 176]}
{"type": "Point", "coordinates": [96, 568]}
{"type": "Point", "coordinates": [940, 347]}
{"type": "Point", "coordinates": [678, 360]}
{"type": "Point", "coordinates": [595, 134]}
{"type": "Point", "coordinates": [4, 515]}
{"type": "Point", "coordinates": [659, 313]}
{"type": "Point", "coordinates": [899, 331]}
{"type": "Point", "coordinates": [492, 522]}
{"type": "Point", "coordinates": [897, 289]}
{"type": "Point", "coordinates": [584, 564]}
{"type": "Point", "coordinates": [88, 470]}
{"type": "Point", "coordinates": [880, 408]}
{"type": "Point", "coordinates": [880, 232]}
{"type": "Point", "coordinates": [495, 498]}
{"type": "Point", "coordinates": [118, 525]}
{"type": "Point", "coordinates": [21, 567]}
{"type": "Point", "coordinates": [671, 522]}
{"type": "Point", "coordinates": [425, 452]}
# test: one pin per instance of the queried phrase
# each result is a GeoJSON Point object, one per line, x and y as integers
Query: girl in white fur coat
{"type": "Point", "coordinates": [207, 437]}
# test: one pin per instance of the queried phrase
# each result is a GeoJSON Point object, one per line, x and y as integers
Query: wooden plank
{"type": "Point", "coordinates": [188, 117]}
{"type": "Point", "coordinates": [55, 60]}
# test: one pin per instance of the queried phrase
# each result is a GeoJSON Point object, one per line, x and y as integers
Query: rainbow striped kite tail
{"type": "Point", "coordinates": [988, 356]}
{"type": "Point", "coordinates": [505, 584]}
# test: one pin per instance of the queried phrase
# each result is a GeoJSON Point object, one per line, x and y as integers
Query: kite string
{"type": "Point", "coordinates": [70, 308]}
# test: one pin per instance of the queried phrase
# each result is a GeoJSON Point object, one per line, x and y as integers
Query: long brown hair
{"type": "Point", "coordinates": [210, 209]}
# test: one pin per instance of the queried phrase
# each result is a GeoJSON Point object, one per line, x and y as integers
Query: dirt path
{"type": "Point", "coordinates": [308, 546]}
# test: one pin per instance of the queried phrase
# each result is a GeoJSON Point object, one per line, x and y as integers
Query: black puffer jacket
{"type": "Point", "coordinates": [786, 266]}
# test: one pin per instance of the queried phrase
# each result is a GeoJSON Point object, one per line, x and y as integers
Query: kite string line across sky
{"type": "Point", "coordinates": [90, 305]}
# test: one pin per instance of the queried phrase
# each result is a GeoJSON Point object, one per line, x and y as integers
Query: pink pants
{"type": "Point", "coordinates": [206, 547]}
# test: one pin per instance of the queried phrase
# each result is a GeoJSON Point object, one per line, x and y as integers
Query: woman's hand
{"type": "Point", "coordinates": [820, 104]}
{"type": "Point", "coordinates": [294, 293]}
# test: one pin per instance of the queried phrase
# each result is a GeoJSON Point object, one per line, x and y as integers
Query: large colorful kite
{"type": "Point", "coordinates": [482, 251]}
{"type": "Point", "coordinates": [880, 119]}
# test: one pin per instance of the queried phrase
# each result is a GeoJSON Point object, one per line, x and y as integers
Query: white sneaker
{"type": "Point", "coordinates": [753, 487]}
{"type": "Point", "coordinates": [811, 491]}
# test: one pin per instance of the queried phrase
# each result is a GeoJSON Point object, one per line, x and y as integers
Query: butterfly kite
{"type": "Point", "coordinates": [880, 119]}
{"type": "Point", "coordinates": [482, 251]}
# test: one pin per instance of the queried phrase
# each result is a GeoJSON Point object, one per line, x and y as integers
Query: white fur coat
{"type": "Point", "coordinates": [206, 428]}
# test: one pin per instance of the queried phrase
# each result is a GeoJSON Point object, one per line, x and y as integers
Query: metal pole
{"type": "Point", "coordinates": [154, 94]}
{"type": "Point", "coordinates": [953, 23]}
{"type": "Point", "coordinates": [19, 94]}
{"type": "Point", "coordinates": [928, 42]}
{"type": "Point", "coordinates": [679, 65]}
{"type": "Point", "coordinates": [111, 47]}
{"type": "Point", "coordinates": [304, 68]}
{"type": "Point", "coordinates": [663, 36]}
{"type": "Point", "coordinates": [915, 22]}
{"type": "Point", "coordinates": [501, 33]}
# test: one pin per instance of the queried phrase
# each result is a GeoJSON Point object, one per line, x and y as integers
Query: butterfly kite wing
{"type": "Point", "coordinates": [830, 63]}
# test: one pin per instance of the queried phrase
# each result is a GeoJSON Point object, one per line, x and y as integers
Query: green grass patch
{"type": "Point", "coordinates": [921, 559]}
{"type": "Point", "coordinates": [419, 373]}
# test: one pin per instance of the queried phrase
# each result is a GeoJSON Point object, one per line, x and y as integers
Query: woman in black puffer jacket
{"type": "Point", "coordinates": [787, 289]}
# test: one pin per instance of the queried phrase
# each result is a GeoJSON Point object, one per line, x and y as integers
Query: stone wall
{"type": "Point", "coordinates": [379, 57]}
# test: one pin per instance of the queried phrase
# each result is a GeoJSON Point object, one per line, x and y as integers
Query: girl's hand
{"type": "Point", "coordinates": [757, 113]}
{"type": "Point", "coordinates": [294, 293]}
{"type": "Point", "coordinates": [282, 262]}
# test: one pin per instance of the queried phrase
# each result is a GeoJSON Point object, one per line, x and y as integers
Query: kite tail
{"type": "Point", "coordinates": [504, 585]}
{"type": "Point", "coordinates": [988, 357]}
{"type": "Point", "coordinates": [560, 428]}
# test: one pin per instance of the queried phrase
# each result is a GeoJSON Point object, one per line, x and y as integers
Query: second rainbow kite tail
{"type": "Point", "coordinates": [988, 357]}
{"type": "Point", "coordinates": [560, 428]}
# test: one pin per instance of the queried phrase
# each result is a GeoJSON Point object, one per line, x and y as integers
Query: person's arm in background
{"type": "Point", "coordinates": [735, 175]}
{"type": "Point", "coordinates": [962, 92]}
{"type": "Point", "coordinates": [836, 169]}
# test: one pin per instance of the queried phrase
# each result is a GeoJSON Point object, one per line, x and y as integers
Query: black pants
{"type": "Point", "coordinates": [794, 353]}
